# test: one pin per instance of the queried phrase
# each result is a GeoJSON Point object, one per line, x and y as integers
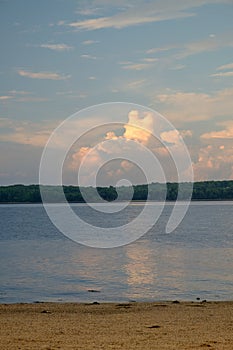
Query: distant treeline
{"type": "Point", "coordinates": [206, 190]}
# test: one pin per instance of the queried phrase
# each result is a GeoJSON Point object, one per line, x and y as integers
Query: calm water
{"type": "Point", "coordinates": [40, 264]}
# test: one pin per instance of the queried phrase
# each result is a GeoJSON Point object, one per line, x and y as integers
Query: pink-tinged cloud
{"type": "Point", "coordinates": [226, 133]}
{"type": "Point", "coordinates": [214, 162]}
{"type": "Point", "coordinates": [191, 106]}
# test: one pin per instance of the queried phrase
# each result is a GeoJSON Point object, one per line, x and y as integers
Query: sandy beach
{"type": "Point", "coordinates": [159, 325]}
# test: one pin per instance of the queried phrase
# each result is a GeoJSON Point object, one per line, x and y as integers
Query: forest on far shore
{"type": "Point", "coordinates": [206, 190]}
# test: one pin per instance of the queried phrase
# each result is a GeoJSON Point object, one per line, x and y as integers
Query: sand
{"type": "Point", "coordinates": [144, 326]}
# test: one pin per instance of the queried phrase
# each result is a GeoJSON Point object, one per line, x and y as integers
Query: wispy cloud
{"type": "Point", "coordinates": [5, 97]}
{"type": "Point", "coordinates": [72, 94]}
{"type": "Point", "coordinates": [22, 96]}
{"type": "Point", "coordinates": [90, 57]}
{"type": "Point", "coordinates": [137, 66]}
{"type": "Point", "coordinates": [57, 47]}
{"type": "Point", "coordinates": [122, 20]}
{"type": "Point", "coordinates": [178, 67]}
{"type": "Point", "coordinates": [19, 92]}
{"type": "Point", "coordinates": [223, 74]}
{"type": "Point", "coordinates": [206, 45]}
{"type": "Point", "coordinates": [161, 49]}
{"type": "Point", "coordinates": [90, 42]}
{"type": "Point", "coordinates": [209, 44]}
{"type": "Point", "coordinates": [136, 84]}
{"type": "Point", "coordinates": [150, 59]}
{"type": "Point", "coordinates": [141, 12]}
{"type": "Point", "coordinates": [42, 75]}
{"type": "Point", "coordinates": [226, 66]}
{"type": "Point", "coordinates": [32, 99]}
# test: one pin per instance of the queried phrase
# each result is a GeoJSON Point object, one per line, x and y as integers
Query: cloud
{"type": "Point", "coordinates": [90, 57]}
{"type": "Point", "coordinates": [72, 94]}
{"type": "Point", "coordinates": [223, 68]}
{"type": "Point", "coordinates": [5, 97]}
{"type": "Point", "coordinates": [20, 92]}
{"type": "Point", "coordinates": [25, 132]}
{"type": "Point", "coordinates": [226, 133]}
{"type": "Point", "coordinates": [141, 12]}
{"type": "Point", "coordinates": [57, 47]}
{"type": "Point", "coordinates": [178, 67]}
{"type": "Point", "coordinates": [137, 66]}
{"type": "Point", "coordinates": [90, 42]}
{"type": "Point", "coordinates": [214, 162]}
{"type": "Point", "coordinates": [139, 128]}
{"type": "Point", "coordinates": [32, 99]}
{"type": "Point", "coordinates": [222, 74]}
{"type": "Point", "coordinates": [192, 106]}
{"type": "Point", "coordinates": [215, 156]}
{"type": "Point", "coordinates": [42, 75]}
{"type": "Point", "coordinates": [22, 96]}
{"type": "Point", "coordinates": [150, 59]}
{"type": "Point", "coordinates": [161, 49]}
{"type": "Point", "coordinates": [136, 84]}
{"type": "Point", "coordinates": [121, 21]}
{"type": "Point", "coordinates": [209, 44]}
{"type": "Point", "coordinates": [226, 66]}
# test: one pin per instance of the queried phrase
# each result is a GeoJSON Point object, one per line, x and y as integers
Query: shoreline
{"type": "Point", "coordinates": [132, 201]}
{"type": "Point", "coordinates": [160, 325]}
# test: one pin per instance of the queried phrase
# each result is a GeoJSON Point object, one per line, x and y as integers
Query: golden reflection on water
{"type": "Point", "coordinates": [138, 265]}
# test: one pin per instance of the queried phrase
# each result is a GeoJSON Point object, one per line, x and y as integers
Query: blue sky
{"type": "Point", "coordinates": [58, 57]}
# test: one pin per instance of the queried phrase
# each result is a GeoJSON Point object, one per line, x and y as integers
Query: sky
{"type": "Point", "coordinates": [59, 57]}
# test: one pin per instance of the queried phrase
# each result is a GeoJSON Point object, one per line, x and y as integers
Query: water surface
{"type": "Point", "coordinates": [38, 263]}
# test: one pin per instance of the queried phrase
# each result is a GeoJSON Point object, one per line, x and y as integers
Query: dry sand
{"type": "Point", "coordinates": [143, 326]}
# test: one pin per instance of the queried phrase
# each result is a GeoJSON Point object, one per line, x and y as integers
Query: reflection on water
{"type": "Point", "coordinates": [38, 263]}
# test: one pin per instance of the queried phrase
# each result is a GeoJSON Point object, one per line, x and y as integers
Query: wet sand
{"type": "Point", "coordinates": [144, 326]}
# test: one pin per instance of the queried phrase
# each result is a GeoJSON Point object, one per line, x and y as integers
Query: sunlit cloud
{"type": "Point", "coordinates": [139, 129]}
{"type": "Point", "coordinates": [225, 133]}
{"type": "Point", "coordinates": [26, 133]}
{"type": "Point", "coordinates": [214, 162]}
{"type": "Point", "coordinates": [42, 75]}
{"type": "Point", "coordinates": [192, 106]}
